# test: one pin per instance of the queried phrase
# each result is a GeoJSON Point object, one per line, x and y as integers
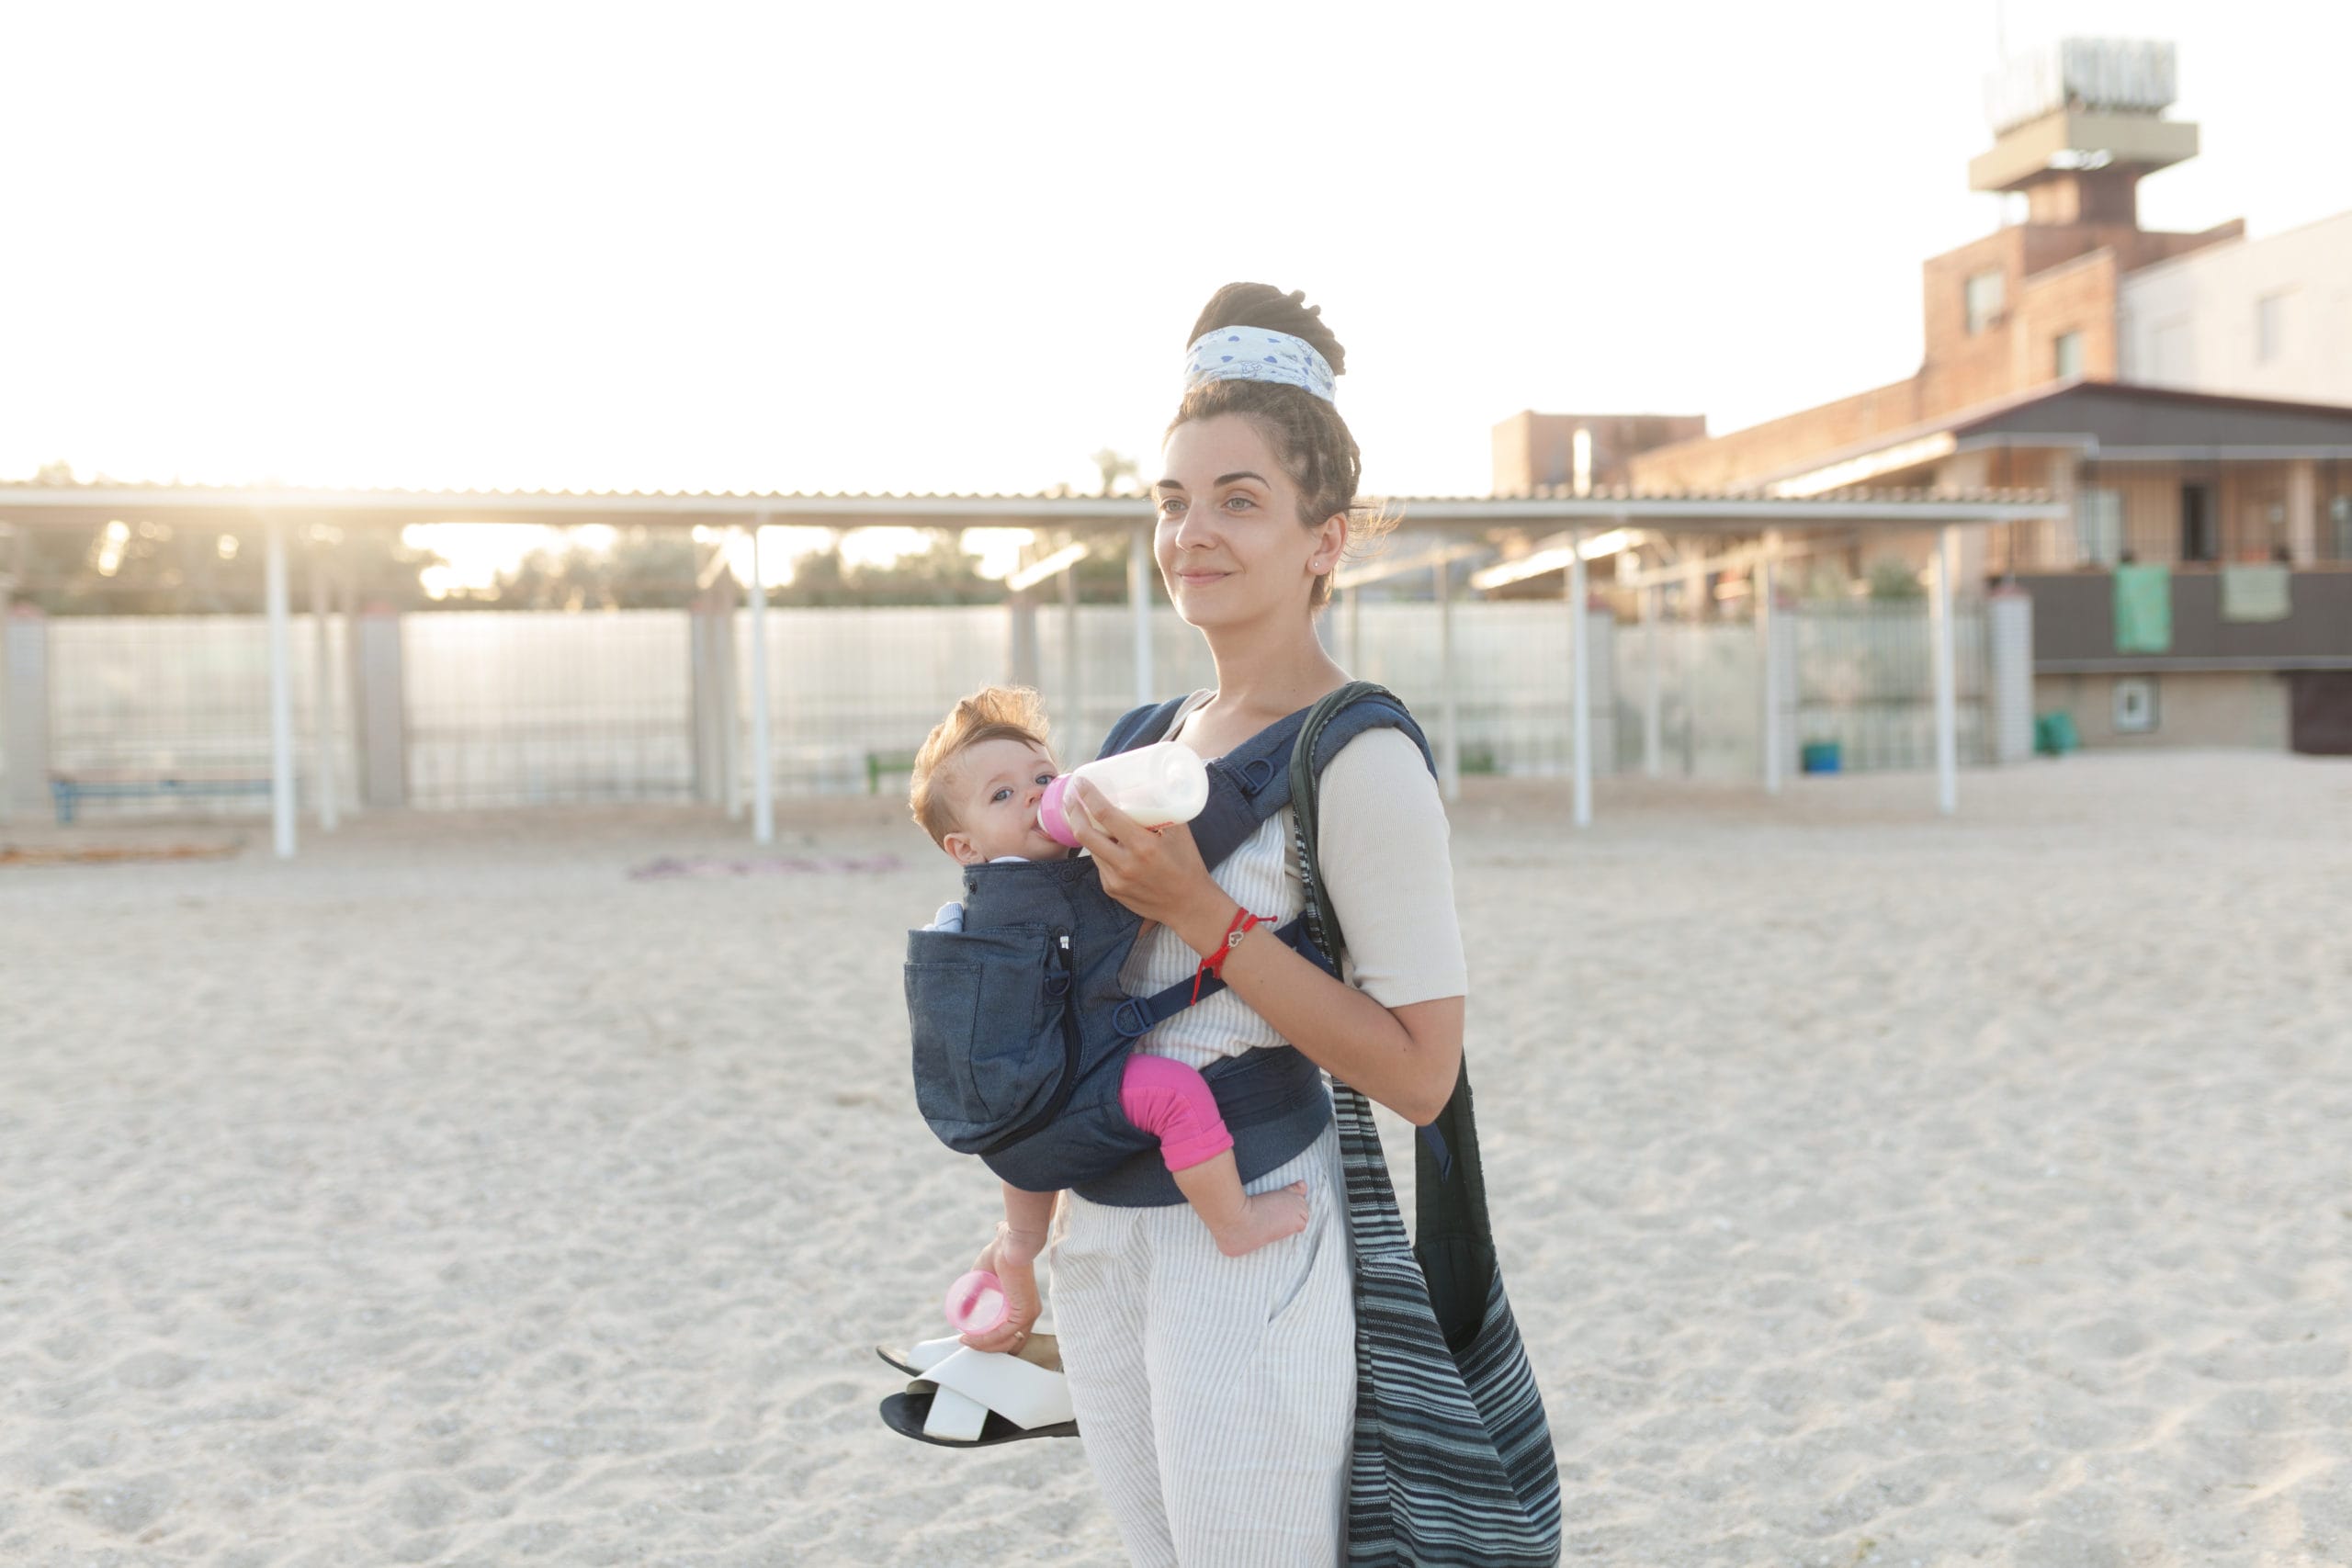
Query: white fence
{"type": "Point", "coordinates": [537, 709]}
{"type": "Point", "coordinates": [178, 694]}
{"type": "Point", "coordinates": [528, 708]}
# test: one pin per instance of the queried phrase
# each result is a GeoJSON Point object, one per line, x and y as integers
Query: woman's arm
{"type": "Point", "coordinates": [1406, 1057]}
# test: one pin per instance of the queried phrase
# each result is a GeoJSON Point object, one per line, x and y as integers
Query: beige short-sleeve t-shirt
{"type": "Point", "coordinates": [1386, 855]}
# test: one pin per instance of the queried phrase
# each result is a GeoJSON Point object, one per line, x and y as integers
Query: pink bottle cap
{"type": "Point", "coordinates": [976, 1303]}
{"type": "Point", "coordinates": [1049, 813]}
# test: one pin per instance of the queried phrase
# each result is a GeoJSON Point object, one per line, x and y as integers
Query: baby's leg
{"type": "Point", "coordinates": [1172, 1102]}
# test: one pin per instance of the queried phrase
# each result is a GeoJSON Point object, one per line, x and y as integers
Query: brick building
{"type": "Point", "coordinates": [2188, 394]}
{"type": "Point", "coordinates": [2029, 305]}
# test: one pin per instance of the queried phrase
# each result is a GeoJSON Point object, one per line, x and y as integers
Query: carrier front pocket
{"type": "Point", "coordinates": [985, 1009]}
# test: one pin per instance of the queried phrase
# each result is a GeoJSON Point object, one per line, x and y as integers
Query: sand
{"type": "Point", "coordinates": [1873, 1188]}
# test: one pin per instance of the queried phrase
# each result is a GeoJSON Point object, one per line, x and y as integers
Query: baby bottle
{"type": "Point", "coordinates": [1154, 784]}
{"type": "Point", "coordinates": [976, 1303]}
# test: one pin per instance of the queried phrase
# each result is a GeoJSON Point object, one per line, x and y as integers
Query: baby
{"type": "Point", "coordinates": [976, 784]}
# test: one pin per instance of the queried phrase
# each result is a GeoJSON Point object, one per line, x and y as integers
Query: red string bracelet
{"type": "Point", "coordinates": [1243, 923]}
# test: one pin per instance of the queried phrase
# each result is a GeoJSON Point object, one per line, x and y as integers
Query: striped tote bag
{"type": "Point", "coordinates": [1452, 1463]}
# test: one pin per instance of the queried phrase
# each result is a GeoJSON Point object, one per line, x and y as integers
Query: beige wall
{"type": "Point", "coordinates": [2191, 322]}
{"type": "Point", "coordinates": [1533, 450]}
{"type": "Point", "coordinates": [2241, 709]}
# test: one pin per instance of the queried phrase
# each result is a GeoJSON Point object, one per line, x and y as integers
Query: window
{"type": "Point", "coordinates": [2134, 711]}
{"type": "Point", "coordinates": [1985, 301]}
{"type": "Point", "coordinates": [2099, 527]}
{"type": "Point", "coordinates": [2269, 327]}
{"type": "Point", "coordinates": [2176, 362]}
{"type": "Point", "coordinates": [2069, 354]}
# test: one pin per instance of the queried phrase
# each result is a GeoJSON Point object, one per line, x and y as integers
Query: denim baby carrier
{"type": "Point", "coordinates": [1022, 1032]}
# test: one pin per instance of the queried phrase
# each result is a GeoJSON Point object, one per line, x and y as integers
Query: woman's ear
{"type": "Point", "coordinates": [1331, 543]}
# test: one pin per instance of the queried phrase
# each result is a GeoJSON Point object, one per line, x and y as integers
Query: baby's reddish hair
{"type": "Point", "coordinates": [992, 713]}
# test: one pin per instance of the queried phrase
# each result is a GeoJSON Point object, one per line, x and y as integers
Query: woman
{"type": "Point", "coordinates": [1216, 1394]}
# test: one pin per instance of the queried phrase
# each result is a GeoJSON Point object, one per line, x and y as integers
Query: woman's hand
{"type": "Point", "coordinates": [1155, 872]}
{"type": "Point", "coordinates": [1013, 1258]}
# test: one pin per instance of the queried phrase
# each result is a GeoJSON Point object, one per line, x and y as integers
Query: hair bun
{"type": "Point", "coordinates": [1263, 305]}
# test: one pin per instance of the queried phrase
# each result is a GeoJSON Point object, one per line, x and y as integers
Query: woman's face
{"type": "Point", "coordinates": [1228, 540]}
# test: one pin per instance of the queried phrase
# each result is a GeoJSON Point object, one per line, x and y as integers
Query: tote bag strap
{"type": "Point", "coordinates": [1453, 1237]}
{"type": "Point", "coordinates": [1452, 1461]}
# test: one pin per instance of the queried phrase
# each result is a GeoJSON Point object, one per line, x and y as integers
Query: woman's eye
{"type": "Point", "coordinates": [1171, 504]}
{"type": "Point", "coordinates": [1241, 501]}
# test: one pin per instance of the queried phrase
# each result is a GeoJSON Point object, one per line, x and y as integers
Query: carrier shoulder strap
{"type": "Point", "coordinates": [1257, 778]}
{"type": "Point", "coordinates": [1277, 766]}
{"type": "Point", "coordinates": [1140, 727]}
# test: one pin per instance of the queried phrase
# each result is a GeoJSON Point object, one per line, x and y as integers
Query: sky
{"type": "Point", "coordinates": [956, 248]}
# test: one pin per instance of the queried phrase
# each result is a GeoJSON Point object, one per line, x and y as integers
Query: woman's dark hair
{"type": "Point", "coordinates": [1306, 432]}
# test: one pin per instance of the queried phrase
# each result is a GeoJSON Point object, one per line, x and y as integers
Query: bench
{"type": "Point", "coordinates": [880, 762]}
{"type": "Point", "coordinates": [69, 790]}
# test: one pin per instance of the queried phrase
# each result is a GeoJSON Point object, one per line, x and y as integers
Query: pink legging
{"type": "Point", "coordinates": [1172, 1102]}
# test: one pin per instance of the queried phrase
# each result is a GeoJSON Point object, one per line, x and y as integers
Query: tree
{"type": "Point", "coordinates": [127, 567]}
{"type": "Point", "coordinates": [1114, 467]}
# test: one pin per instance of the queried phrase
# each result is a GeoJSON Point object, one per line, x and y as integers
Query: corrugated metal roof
{"type": "Point", "coordinates": [291, 494]}
{"type": "Point", "coordinates": [1988, 417]}
{"type": "Point", "coordinates": [36, 503]}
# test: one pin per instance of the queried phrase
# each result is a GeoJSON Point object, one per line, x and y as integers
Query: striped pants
{"type": "Point", "coordinates": [1215, 1394]}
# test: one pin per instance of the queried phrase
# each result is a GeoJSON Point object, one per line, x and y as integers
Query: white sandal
{"type": "Point", "coordinates": [921, 1357]}
{"type": "Point", "coordinates": [969, 1398]}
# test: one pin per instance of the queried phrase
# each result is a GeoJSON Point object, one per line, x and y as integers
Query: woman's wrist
{"type": "Point", "coordinates": [1017, 1248]}
{"type": "Point", "coordinates": [1204, 924]}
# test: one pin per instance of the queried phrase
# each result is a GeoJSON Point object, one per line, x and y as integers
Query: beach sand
{"type": "Point", "coordinates": [1871, 1187]}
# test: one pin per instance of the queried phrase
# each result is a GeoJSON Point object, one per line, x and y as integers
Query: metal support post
{"type": "Point", "coordinates": [1449, 757]}
{"type": "Point", "coordinates": [1946, 659]}
{"type": "Point", "coordinates": [1652, 708]}
{"type": "Point", "coordinates": [1074, 667]}
{"type": "Point", "coordinates": [763, 783]}
{"type": "Point", "coordinates": [281, 695]}
{"type": "Point", "coordinates": [1771, 662]}
{"type": "Point", "coordinates": [1140, 570]}
{"type": "Point", "coordinates": [323, 706]}
{"type": "Point", "coordinates": [1580, 684]}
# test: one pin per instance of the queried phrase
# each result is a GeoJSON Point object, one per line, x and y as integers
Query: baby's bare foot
{"type": "Point", "coordinates": [1269, 1216]}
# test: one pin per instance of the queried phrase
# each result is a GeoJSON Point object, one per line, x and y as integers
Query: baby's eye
{"type": "Point", "coordinates": [1001, 794]}
{"type": "Point", "coordinates": [1045, 778]}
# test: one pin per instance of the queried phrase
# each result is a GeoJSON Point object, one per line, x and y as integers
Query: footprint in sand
{"type": "Point", "coordinates": [125, 1506]}
{"type": "Point", "coordinates": [823, 1399]}
{"type": "Point", "coordinates": [2105, 1339]}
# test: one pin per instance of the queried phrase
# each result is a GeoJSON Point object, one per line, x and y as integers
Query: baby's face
{"type": "Point", "coordinates": [997, 786]}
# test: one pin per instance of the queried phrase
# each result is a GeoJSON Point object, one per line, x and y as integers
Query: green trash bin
{"type": "Point", "coordinates": [2053, 734]}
